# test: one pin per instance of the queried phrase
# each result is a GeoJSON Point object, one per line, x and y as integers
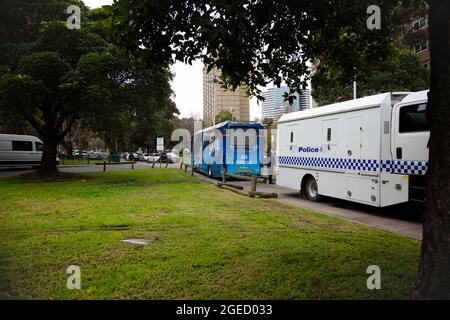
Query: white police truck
{"type": "Point", "coordinates": [371, 150]}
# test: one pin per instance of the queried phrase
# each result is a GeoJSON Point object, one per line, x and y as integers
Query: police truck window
{"type": "Point", "coordinates": [413, 118]}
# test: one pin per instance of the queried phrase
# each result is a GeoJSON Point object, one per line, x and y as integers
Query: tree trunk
{"type": "Point", "coordinates": [48, 164]}
{"type": "Point", "coordinates": [434, 274]}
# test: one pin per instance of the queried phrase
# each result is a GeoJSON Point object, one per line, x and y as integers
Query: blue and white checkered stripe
{"type": "Point", "coordinates": [409, 167]}
{"type": "Point", "coordinates": [333, 163]}
{"type": "Point", "coordinates": [388, 166]}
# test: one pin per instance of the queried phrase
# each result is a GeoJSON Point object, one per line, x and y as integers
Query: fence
{"type": "Point", "coordinates": [167, 162]}
{"type": "Point", "coordinates": [186, 166]}
{"type": "Point", "coordinates": [104, 164]}
{"type": "Point", "coordinates": [85, 160]}
{"type": "Point", "coordinates": [237, 188]}
{"type": "Point", "coordinates": [240, 189]}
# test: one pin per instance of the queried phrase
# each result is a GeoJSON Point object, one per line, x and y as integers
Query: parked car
{"type": "Point", "coordinates": [137, 156]}
{"type": "Point", "coordinates": [145, 157]}
{"type": "Point", "coordinates": [20, 150]}
{"type": "Point", "coordinates": [173, 157]}
{"type": "Point", "coordinates": [141, 157]}
{"type": "Point", "coordinates": [163, 157]}
{"type": "Point", "coordinates": [133, 157]}
{"type": "Point", "coordinates": [153, 157]}
{"type": "Point", "coordinates": [95, 155]}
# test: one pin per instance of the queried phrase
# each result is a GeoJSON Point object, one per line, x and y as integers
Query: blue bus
{"type": "Point", "coordinates": [238, 147]}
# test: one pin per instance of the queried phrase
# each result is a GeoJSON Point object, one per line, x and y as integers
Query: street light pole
{"type": "Point", "coordinates": [214, 81]}
{"type": "Point", "coordinates": [214, 103]}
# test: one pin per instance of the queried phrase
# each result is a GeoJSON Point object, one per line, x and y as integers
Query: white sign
{"type": "Point", "coordinates": [159, 144]}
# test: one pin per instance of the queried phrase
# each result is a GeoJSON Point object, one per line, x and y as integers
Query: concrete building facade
{"type": "Point", "coordinates": [216, 99]}
{"type": "Point", "coordinates": [274, 106]}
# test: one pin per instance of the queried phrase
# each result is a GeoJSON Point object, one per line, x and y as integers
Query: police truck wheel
{"type": "Point", "coordinates": [311, 190]}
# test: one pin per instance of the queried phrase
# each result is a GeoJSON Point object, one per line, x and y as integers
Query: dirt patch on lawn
{"type": "Point", "coordinates": [37, 176]}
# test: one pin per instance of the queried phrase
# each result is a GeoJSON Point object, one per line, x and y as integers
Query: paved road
{"type": "Point", "coordinates": [84, 169]}
{"type": "Point", "coordinates": [401, 219]}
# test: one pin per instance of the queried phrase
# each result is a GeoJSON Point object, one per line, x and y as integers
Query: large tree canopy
{"type": "Point", "coordinates": [43, 88]}
{"type": "Point", "coordinates": [70, 75]}
{"type": "Point", "coordinates": [20, 19]}
{"type": "Point", "coordinates": [257, 42]}
{"type": "Point", "coordinates": [131, 102]}
{"type": "Point", "coordinates": [330, 84]}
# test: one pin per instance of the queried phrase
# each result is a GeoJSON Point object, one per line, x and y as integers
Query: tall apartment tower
{"type": "Point", "coordinates": [274, 106]}
{"type": "Point", "coordinates": [216, 99]}
{"type": "Point", "coordinates": [420, 45]}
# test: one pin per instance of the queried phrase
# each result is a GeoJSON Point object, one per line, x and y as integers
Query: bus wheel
{"type": "Point", "coordinates": [210, 174]}
{"type": "Point", "coordinates": [311, 190]}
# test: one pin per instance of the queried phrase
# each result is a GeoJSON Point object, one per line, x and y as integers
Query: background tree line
{"type": "Point", "coordinates": [399, 71]}
{"type": "Point", "coordinates": [65, 85]}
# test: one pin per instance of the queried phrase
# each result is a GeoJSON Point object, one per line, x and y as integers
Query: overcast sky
{"type": "Point", "coordinates": [187, 84]}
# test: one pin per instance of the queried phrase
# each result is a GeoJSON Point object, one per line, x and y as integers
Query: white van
{"type": "Point", "coordinates": [371, 150]}
{"type": "Point", "coordinates": [20, 150]}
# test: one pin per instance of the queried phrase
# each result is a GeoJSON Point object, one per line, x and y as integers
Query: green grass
{"type": "Point", "coordinates": [210, 243]}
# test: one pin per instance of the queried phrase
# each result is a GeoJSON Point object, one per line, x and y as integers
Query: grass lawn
{"type": "Point", "coordinates": [209, 243]}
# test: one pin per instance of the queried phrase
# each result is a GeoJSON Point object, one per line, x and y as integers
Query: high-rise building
{"type": "Point", "coordinates": [216, 99]}
{"type": "Point", "coordinates": [305, 100]}
{"type": "Point", "coordinates": [417, 37]}
{"type": "Point", "coordinates": [274, 104]}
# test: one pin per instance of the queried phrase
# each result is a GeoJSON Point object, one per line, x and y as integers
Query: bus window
{"type": "Point", "coordinates": [245, 146]}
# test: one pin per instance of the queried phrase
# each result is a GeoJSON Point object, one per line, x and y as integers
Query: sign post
{"type": "Point", "coordinates": [160, 149]}
{"type": "Point", "coordinates": [159, 144]}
